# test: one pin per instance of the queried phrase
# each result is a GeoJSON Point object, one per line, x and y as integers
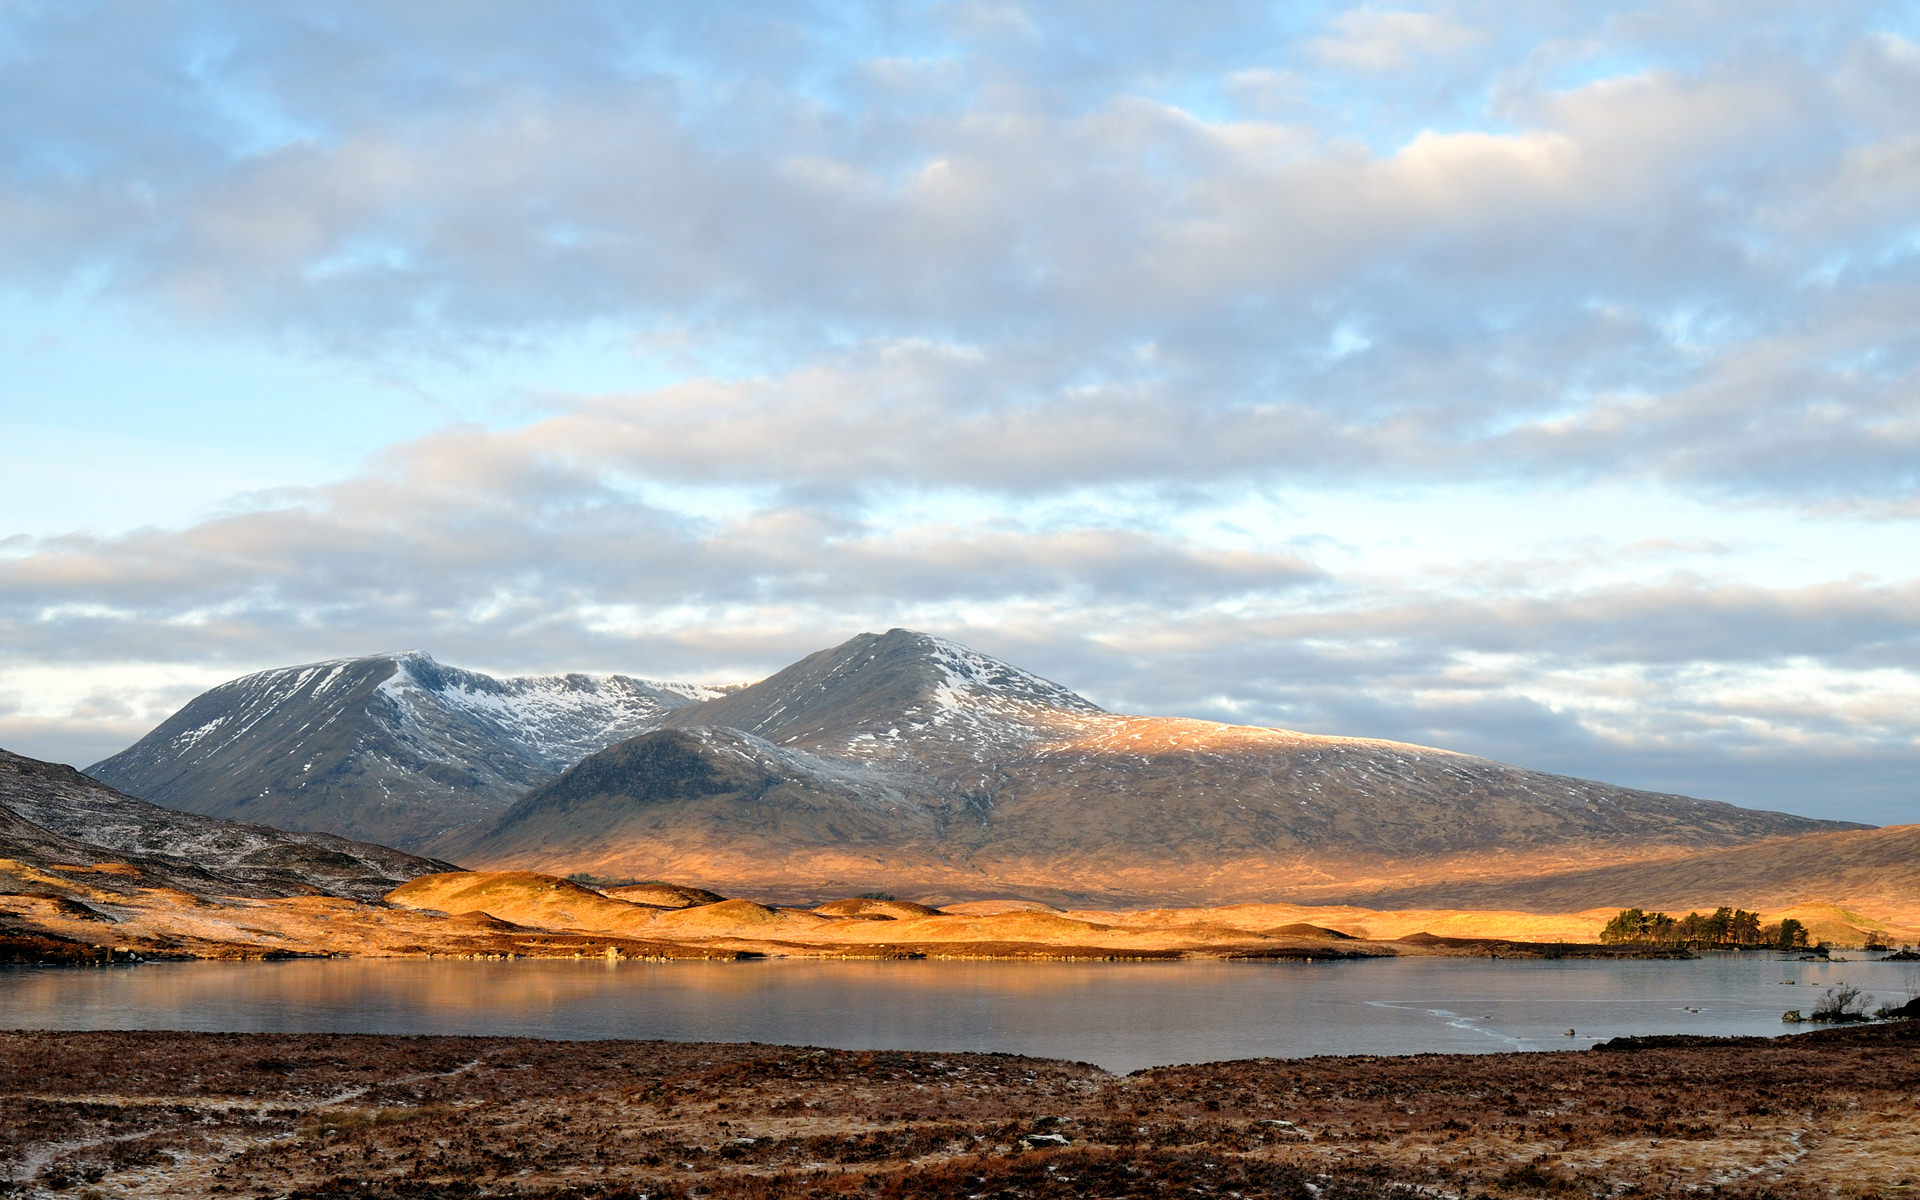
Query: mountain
{"type": "Point", "coordinates": [54, 818]}
{"type": "Point", "coordinates": [711, 802]}
{"type": "Point", "coordinates": [392, 748]}
{"type": "Point", "coordinates": [908, 763]}
{"type": "Point", "coordinates": [899, 698]}
{"type": "Point", "coordinates": [88, 875]}
{"type": "Point", "coordinates": [1867, 870]}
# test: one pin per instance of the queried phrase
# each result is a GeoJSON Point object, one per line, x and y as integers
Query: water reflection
{"type": "Point", "coordinates": [1119, 1015]}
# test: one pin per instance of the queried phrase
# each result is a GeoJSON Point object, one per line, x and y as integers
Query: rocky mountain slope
{"type": "Point", "coordinates": [904, 762]}
{"type": "Point", "coordinates": [900, 699]}
{"type": "Point", "coordinates": [54, 818]}
{"type": "Point", "coordinates": [392, 748]}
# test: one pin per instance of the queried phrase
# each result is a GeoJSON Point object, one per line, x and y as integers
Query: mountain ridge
{"type": "Point", "coordinates": [1875, 870]}
{"type": "Point", "coordinates": [393, 748]}
{"type": "Point", "coordinates": [896, 761]}
{"type": "Point", "coordinates": [929, 767]}
{"type": "Point", "coordinates": [855, 700]}
{"type": "Point", "coordinates": [52, 815]}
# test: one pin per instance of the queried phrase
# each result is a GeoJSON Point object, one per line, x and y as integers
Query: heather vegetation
{"type": "Point", "coordinates": [590, 880]}
{"type": "Point", "coordinates": [1819, 1116]}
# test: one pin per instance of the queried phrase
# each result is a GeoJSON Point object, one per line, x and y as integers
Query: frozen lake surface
{"type": "Point", "coordinates": [1121, 1016]}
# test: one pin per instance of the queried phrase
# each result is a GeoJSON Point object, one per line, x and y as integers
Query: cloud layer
{"type": "Point", "coordinates": [1194, 357]}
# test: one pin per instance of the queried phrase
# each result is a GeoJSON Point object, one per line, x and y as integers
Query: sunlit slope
{"type": "Point", "coordinates": [857, 927]}
{"type": "Point", "coordinates": [905, 763]}
{"type": "Point", "coordinates": [524, 898]}
{"type": "Point", "coordinates": [862, 925]}
{"type": "Point", "coordinates": [1873, 871]}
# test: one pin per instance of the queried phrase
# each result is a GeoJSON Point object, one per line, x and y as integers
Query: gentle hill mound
{"type": "Point", "coordinates": [1302, 929]}
{"type": "Point", "coordinates": [988, 908]}
{"type": "Point", "coordinates": [663, 895]}
{"type": "Point", "coordinates": [865, 907]}
{"type": "Point", "coordinates": [735, 917]}
{"type": "Point", "coordinates": [1835, 925]}
{"type": "Point", "coordinates": [522, 897]}
{"type": "Point", "coordinates": [485, 921]}
{"type": "Point", "coordinates": [1278, 920]}
{"type": "Point", "coordinates": [1015, 927]}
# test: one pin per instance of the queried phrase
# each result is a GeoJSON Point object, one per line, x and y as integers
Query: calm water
{"type": "Point", "coordinates": [1121, 1016]}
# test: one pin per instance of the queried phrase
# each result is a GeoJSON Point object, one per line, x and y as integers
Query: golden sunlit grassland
{"type": "Point", "coordinates": [525, 913]}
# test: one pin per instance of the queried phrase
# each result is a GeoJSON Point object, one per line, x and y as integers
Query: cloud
{"type": "Point", "coordinates": [1668, 272]}
{"type": "Point", "coordinates": [524, 550]}
{"type": "Point", "coordinates": [1372, 39]}
{"type": "Point", "coordinates": [501, 535]}
{"type": "Point", "coordinates": [1801, 733]}
{"type": "Point", "coordinates": [1036, 325]}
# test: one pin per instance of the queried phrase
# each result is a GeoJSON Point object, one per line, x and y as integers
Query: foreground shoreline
{"type": "Point", "coordinates": [1828, 1113]}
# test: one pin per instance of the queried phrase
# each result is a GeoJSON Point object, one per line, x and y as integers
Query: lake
{"type": "Point", "coordinates": [1121, 1016]}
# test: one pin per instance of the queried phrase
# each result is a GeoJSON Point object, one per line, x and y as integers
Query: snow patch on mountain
{"type": "Point", "coordinates": [393, 747]}
{"type": "Point", "coordinates": [974, 703]}
{"type": "Point", "coordinates": [971, 680]}
{"type": "Point", "coordinates": [556, 720]}
{"type": "Point", "coordinates": [864, 780]}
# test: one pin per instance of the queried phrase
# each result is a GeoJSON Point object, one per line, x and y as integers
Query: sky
{"type": "Point", "coordinates": [1538, 380]}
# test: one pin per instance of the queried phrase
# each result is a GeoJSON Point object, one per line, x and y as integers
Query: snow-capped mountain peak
{"type": "Point", "coordinates": [970, 680]}
{"type": "Point", "coordinates": [870, 698]}
{"type": "Point", "coordinates": [393, 747]}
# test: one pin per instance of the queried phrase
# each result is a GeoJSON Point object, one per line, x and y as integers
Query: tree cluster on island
{"type": "Point", "coordinates": [1723, 929]}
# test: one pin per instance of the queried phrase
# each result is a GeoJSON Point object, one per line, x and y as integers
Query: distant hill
{"type": "Point", "coordinates": [1875, 871]}
{"type": "Point", "coordinates": [392, 748]}
{"type": "Point", "coordinates": [907, 763]}
{"type": "Point", "coordinates": [54, 817]}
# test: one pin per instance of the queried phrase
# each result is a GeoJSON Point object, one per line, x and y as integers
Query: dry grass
{"type": "Point", "coordinates": [524, 913]}
{"type": "Point", "coordinates": [868, 907]}
{"type": "Point", "coordinates": [663, 895]}
{"type": "Point", "coordinates": [198, 1115]}
{"type": "Point", "coordinates": [525, 898]}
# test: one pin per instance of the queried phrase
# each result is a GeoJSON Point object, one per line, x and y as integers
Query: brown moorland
{"type": "Point", "coordinates": [663, 895]}
{"type": "Point", "coordinates": [322, 1117]}
{"type": "Point", "coordinates": [78, 912]}
{"type": "Point", "coordinates": [1873, 871]}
